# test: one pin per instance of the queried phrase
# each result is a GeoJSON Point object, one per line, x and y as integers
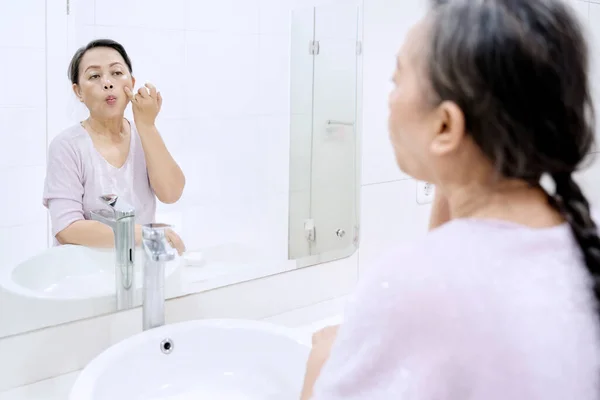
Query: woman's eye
{"type": "Point", "coordinates": [118, 73]}
{"type": "Point", "coordinates": [94, 76]}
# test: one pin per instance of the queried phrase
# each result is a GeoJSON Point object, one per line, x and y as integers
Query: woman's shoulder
{"type": "Point", "coordinates": [69, 139]}
{"type": "Point", "coordinates": [455, 249]}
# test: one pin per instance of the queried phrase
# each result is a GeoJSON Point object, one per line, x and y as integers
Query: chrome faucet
{"type": "Point", "coordinates": [157, 252]}
{"type": "Point", "coordinates": [121, 218]}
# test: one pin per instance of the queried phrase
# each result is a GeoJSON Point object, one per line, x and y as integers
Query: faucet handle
{"type": "Point", "coordinates": [155, 242]}
{"type": "Point", "coordinates": [120, 208]}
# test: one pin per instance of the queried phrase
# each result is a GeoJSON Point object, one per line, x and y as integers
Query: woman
{"type": "Point", "coordinates": [107, 154]}
{"type": "Point", "coordinates": [500, 300]}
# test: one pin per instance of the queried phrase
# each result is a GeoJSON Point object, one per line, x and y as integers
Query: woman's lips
{"type": "Point", "coordinates": [111, 100]}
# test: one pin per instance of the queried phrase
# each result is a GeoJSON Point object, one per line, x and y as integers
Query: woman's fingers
{"type": "Point", "coordinates": [152, 90]}
{"type": "Point", "coordinates": [130, 95]}
{"type": "Point", "coordinates": [175, 242]}
{"type": "Point", "coordinates": [328, 333]}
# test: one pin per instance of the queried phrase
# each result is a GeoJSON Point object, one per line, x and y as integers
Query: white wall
{"type": "Point", "coordinates": [22, 129]}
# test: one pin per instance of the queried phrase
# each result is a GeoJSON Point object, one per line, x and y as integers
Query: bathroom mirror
{"type": "Point", "coordinates": [261, 112]}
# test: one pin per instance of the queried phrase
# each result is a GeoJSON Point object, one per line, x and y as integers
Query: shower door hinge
{"type": "Point", "coordinates": [310, 233]}
{"type": "Point", "coordinates": [313, 47]}
{"type": "Point", "coordinates": [68, 7]}
{"type": "Point", "coordinates": [359, 48]}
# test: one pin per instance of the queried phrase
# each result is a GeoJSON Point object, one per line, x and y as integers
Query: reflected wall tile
{"type": "Point", "coordinates": [141, 13]}
{"type": "Point", "coordinates": [301, 62]}
{"type": "Point", "coordinates": [23, 131]}
{"type": "Point", "coordinates": [24, 79]}
{"type": "Point", "coordinates": [144, 45]}
{"type": "Point", "coordinates": [26, 187]}
{"type": "Point", "coordinates": [23, 24]}
{"type": "Point", "coordinates": [223, 223]}
{"type": "Point", "coordinates": [83, 12]}
{"type": "Point", "coordinates": [275, 224]}
{"type": "Point", "coordinates": [275, 17]}
{"type": "Point", "coordinates": [226, 16]}
{"type": "Point", "coordinates": [222, 71]}
{"type": "Point", "coordinates": [18, 243]}
{"type": "Point", "coordinates": [225, 160]}
{"type": "Point", "coordinates": [273, 153]}
{"type": "Point", "coordinates": [336, 21]}
{"type": "Point", "coordinates": [82, 35]}
{"type": "Point", "coordinates": [274, 74]}
{"type": "Point", "coordinates": [174, 132]}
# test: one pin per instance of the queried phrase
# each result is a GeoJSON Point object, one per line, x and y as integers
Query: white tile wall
{"type": "Point", "coordinates": [22, 129]}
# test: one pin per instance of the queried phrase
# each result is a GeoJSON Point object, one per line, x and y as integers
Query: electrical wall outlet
{"type": "Point", "coordinates": [425, 192]}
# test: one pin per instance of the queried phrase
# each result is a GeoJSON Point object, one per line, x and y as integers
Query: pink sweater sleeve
{"type": "Point", "coordinates": [389, 331]}
{"type": "Point", "coordinates": [63, 188]}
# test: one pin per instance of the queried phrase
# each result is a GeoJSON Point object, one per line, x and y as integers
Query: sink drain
{"type": "Point", "coordinates": [166, 346]}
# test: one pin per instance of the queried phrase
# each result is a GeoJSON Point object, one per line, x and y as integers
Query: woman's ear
{"type": "Point", "coordinates": [77, 91]}
{"type": "Point", "coordinates": [132, 82]}
{"type": "Point", "coordinates": [450, 129]}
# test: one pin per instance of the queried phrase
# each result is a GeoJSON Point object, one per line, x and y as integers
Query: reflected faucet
{"type": "Point", "coordinates": [157, 252]}
{"type": "Point", "coordinates": [121, 218]}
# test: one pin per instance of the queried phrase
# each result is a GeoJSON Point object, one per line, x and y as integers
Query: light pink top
{"type": "Point", "coordinates": [477, 310]}
{"type": "Point", "coordinates": [77, 175]}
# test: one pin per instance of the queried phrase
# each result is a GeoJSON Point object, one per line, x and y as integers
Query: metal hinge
{"type": "Point", "coordinates": [310, 232]}
{"type": "Point", "coordinates": [359, 48]}
{"type": "Point", "coordinates": [68, 7]}
{"type": "Point", "coordinates": [313, 47]}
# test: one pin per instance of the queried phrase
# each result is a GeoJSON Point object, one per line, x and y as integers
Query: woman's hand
{"type": "Point", "coordinates": [322, 343]}
{"type": "Point", "coordinates": [146, 104]}
{"type": "Point", "coordinates": [325, 337]}
{"type": "Point", "coordinates": [175, 241]}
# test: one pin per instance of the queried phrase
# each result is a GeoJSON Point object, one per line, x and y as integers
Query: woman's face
{"type": "Point", "coordinates": [103, 75]}
{"type": "Point", "coordinates": [410, 123]}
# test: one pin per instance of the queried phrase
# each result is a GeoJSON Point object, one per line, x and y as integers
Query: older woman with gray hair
{"type": "Point", "coordinates": [499, 301]}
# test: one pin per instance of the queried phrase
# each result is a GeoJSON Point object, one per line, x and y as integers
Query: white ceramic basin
{"type": "Point", "coordinates": [70, 273]}
{"type": "Point", "coordinates": [209, 360]}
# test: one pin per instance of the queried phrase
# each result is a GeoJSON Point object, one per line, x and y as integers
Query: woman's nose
{"type": "Point", "coordinates": [108, 85]}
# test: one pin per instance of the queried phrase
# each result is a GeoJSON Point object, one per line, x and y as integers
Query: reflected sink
{"type": "Point", "coordinates": [70, 273]}
{"type": "Point", "coordinates": [67, 283]}
{"type": "Point", "coordinates": [210, 359]}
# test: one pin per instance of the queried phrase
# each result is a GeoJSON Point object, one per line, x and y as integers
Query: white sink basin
{"type": "Point", "coordinates": [209, 360]}
{"type": "Point", "coordinates": [67, 283]}
{"type": "Point", "coordinates": [70, 273]}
